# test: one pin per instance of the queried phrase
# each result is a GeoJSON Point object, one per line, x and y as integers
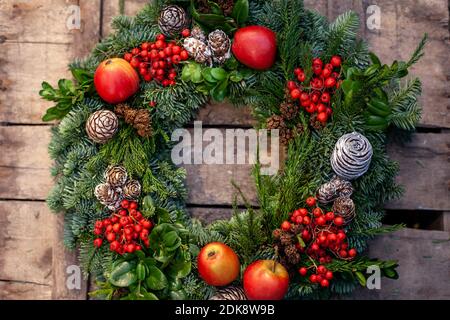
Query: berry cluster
{"type": "Point", "coordinates": [316, 99]}
{"type": "Point", "coordinates": [157, 60]}
{"type": "Point", "coordinates": [126, 230]}
{"type": "Point", "coordinates": [321, 236]}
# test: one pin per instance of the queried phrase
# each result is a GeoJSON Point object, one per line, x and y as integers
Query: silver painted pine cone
{"type": "Point", "coordinates": [220, 45]}
{"type": "Point", "coordinates": [108, 196]}
{"type": "Point", "coordinates": [230, 293]}
{"type": "Point", "coordinates": [351, 156]}
{"type": "Point", "coordinates": [102, 125]}
{"type": "Point", "coordinates": [172, 20]}
{"type": "Point", "coordinates": [335, 188]}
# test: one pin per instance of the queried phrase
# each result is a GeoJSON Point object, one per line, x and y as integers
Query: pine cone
{"type": "Point", "coordinates": [102, 125]}
{"type": "Point", "coordinates": [288, 110]}
{"type": "Point", "coordinates": [132, 190]}
{"type": "Point", "coordinates": [286, 135]}
{"type": "Point", "coordinates": [351, 156]}
{"type": "Point", "coordinates": [276, 234]}
{"type": "Point", "coordinates": [197, 33]}
{"type": "Point", "coordinates": [344, 207]}
{"type": "Point", "coordinates": [230, 293]}
{"type": "Point", "coordinates": [299, 129]}
{"type": "Point", "coordinates": [220, 45]}
{"type": "Point", "coordinates": [140, 119]}
{"type": "Point", "coordinates": [335, 188]}
{"type": "Point", "coordinates": [108, 196]}
{"type": "Point", "coordinates": [286, 239]}
{"type": "Point", "coordinates": [172, 20]}
{"type": "Point", "coordinates": [199, 50]}
{"type": "Point", "coordinates": [116, 176]}
{"type": "Point", "coordinates": [275, 122]}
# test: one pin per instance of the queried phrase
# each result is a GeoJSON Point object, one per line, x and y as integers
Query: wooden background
{"type": "Point", "coordinates": [36, 45]}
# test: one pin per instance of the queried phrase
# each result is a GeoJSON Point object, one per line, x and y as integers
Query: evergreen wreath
{"type": "Point", "coordinates": [125, 182]}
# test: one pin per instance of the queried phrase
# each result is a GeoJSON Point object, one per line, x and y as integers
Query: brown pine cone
{"type": "Point", "coordinates": [286, 135]}
{"type": "Point", "coordinates": [286, 239]}
{"type": "Point", "coordinates": [275, 122]}
{"type": "Point", "coordinates": [299, 129]}
{"type": "Point", "coordinates": [288, 110]}
{"type": "Point", "coordinates": [292, 254]}
{"type": "Point", "coordinates": [140, 119]}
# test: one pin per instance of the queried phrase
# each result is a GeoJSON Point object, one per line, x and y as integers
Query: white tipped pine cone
{"type": "Point", "coordinates": [102, 125]}
{"type": "Point", "coordinates": [344, 207]}
{"type": "Point", "coordinates": [172, 20]}
{"type": "Point", "coordinates": [230, 293]}
{"type": "Point", "coordinates": [132, 190]}
{"type": "Point", "coordinates": [197, 33]}
{"type": "Point", "coordinates": [220, 45]}
{"type": "Point", "coordinates": [108, 196]}
{"type": "Point", "coordinates": [351, 156]}
{"type": "Point", "coordinates": [198, 50]}
{"type": "Point", "coordinates": [116, 176]}
{"type": "Point", "coordinates": [335, 188]}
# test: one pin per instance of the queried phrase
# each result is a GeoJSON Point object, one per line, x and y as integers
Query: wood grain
{"type": "Point", "coordinates": [16, 290]}
{"type": "Point", "coordinates": [424, 265]}
{"type": "Point", "coordinates": [423, 171]}
{"type": "Point", "coordinates": [26, 242]}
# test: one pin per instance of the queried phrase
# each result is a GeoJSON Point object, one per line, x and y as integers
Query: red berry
{"type": "Point", "coordinates": [321, 108]}
{"type": "Point", "coordinates": [176, 50]}
{"type": "Point", "coordinates": [154, 54]}
{"type": "Point", "coordinates": [99, 224]}
{"type": "Point", "coordinates": [338, 221]}
{"type": "Point", "coordinates": [97, 231]}
{"type": "Point", "coordinates": [291, 85]}
{"type": "Point", "coordinates": [116, 227]}
{"type": "Point", "coordinates": [131, 248]}
{"type": "Point", "coordinates": [329, 275]}
{"type": "Point", "coordinates": [343, 253]}
{"type": "Point", "coordinates": [98, 242]}
{"type": "Point", "coordinates": [306, 220]}
{"type": "Point", "coordinates": [336, 61]}
{"type": "Point", "coordinates": [160, 44]}
{"type": "Point", "coordinates": [332, 237]}
{"type": "Point", "coordinates": [317, 212]}
{"type": "Point", "coordinates": [161, 55]}
{"type": "Point", "coordinates": [341, 236]}
{"type": "Point", "coordinates": [303, 271]}
{"type": "Point", "coordinates": [145, 46]}
{"type": "Point", "coordinates": [135, 62]}
{"type": "Point", "coordinates": [325, 97]}
{"type": "Point", "coordinates": [315, 97]}
{"type": "Point", "coordinates": [317, 62]}
{"type": "Point", "coordinates": [184, 55]}
{"type": "Point", "coordinates": [186, 33]}
{"type": "Point", "coordinates": [138, 248]}
{"type": "Point", "coordinates": [166, 83]}
{"type": "Point", "coordinates": [329, 216]}
{"type": "Point", "coordinates": [311, 108]}
{"type": "Point", "coordinates": [320, 221]}
{"type": "Point", "coordinates": [305, 234]}
{"type": "Point", "coordinates": [317, 70]}
{"type": "Point", "coordinates": [295, 94]}
{"type": "Point", "coordinates": [144, 53]}
{"type": "Point", "coordinates": [114, 246]}
{"type": "Point", "coordinates": [161, 37]}
{"type": "Point", "coordinates": [298, 71]}
{"type": "Point", "coordinates": [160, 72]}
{"type": "Point", "coordinates": [305, 103]}
{"type": "Point", "coordinates": [146, 224]}
{"type": "Point", "coordinates": [329, 112]}
{"type": "Point", "coordinates": [286, 226]}
{"type": "Point", "coordinates": [313, 278]}
{"type": "Point", "coordinates": [321, 269]}
{"type": "Point", "coordinates": [315, 247]}
{"type": "Point", "coordinates": [110, 237]}
{"type": "Point", "coordinates": [152, 103]}
{"type": "Point", "coordinates": [335, 75]}
{"type": "Point", "coordinates": [299, 220]}
{"type": "Point", "coordinates": [301, 77]}
{"type": "Point", "coordinates": [317, 84]}
{"type": "Point", "coordinates": [322, 117]}
{"type": "Point", "coordinates": [168, 51]}
{"type": "Point", "coordinates": [135, 51]}
{"type": "Point", "coordinates": [311, 201]}
{"type": "Point", "coordinates": [124, 221]}
{"type": "Point", "coordinates": [330, 82]}
{"type": "Point", "coordinates": [162, 64]}
{"type": "Point", "coordinates": [144, 235]}
{"type": "Point", "coordinates": [128, 56]}
{"type": "Point", "coordinates": [143, 71]}
{"type": "Point", "coordinates": [124, 204]}
{"type": "Point", "coordinates": [109, 228]}
{"type": "Point", "coordinates": [322, 239]}
{"type": "Point", "coordinates": [324, 283]}
{"type": "Point", "coordinates": [328, 66]}
{"type": "Point", "coordinates": [303, 212]}
{"type": "Point", "coordinates": [352, 253]}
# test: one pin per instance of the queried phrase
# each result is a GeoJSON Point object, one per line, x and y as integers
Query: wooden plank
{"type": "Point", "coordinates": [26, 242]}
{"type": "Point", "coordinates": [424, 172]}
{"type": "Point", "coordinates": [219, 114]}
{"type": "Point", "coordinates": [423, 164]}
{"type": "Point", "coordinates": [111, 9]}
{"type": "Point", "coordinates": [31, 59]}
{"type": "Point", "coordinates": [424, 265]}
{"type": "Point", "coordinates": [208, 215]}
{"type": "Point", "coordinates": [12, 290]}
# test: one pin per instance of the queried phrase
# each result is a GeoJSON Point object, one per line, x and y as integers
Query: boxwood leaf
{"type": "Point", "coordinates": [156, 280]}
{"type": "Point", "coordinates": [124, 274]}
{"type": "Point", "coordinates": [240, 11]}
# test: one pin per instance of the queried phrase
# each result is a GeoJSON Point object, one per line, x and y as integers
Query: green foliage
{"type": "Point", "coordinates": [67, 94]}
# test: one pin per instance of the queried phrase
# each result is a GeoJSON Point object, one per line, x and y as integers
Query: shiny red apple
{"type": "Point", "coordinates": [265, 280]}
{"type": "Point", "coordinates": [255, 47]}
{"type": "Point", "coordinates": [115, 80]}
{"type": "Point", "coordinates": [218, 264]}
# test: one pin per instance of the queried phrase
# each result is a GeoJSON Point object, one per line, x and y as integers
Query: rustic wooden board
{"type": "Point", "coordinates": [26, 242]}
{"type": "Point", "coordinates": [11, 290]}
{"type": "Point", "coordinates": [424, 265]}
{"type": "Point", "coordinates": [422, 163]}
{"type": "Point", "coordinates": [112, 9]}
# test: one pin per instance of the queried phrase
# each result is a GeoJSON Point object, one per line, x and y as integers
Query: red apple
{"type": "Point", "coordinates": [115, 80]}
{"type": "Point", "coordinates": [217, 264]}
{"type": "Point", "coordinates": [265, 280]}
{"type": "Point", "coordinates": [255, 47]}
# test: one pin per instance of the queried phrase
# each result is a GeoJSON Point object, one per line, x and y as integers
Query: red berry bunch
{"type": "Point", "coordinates": [126, 230]}
{"type": "Point", "coordinates": [316, 99]}
{"type": "Point", "coordinates": [157, 60]}
{"type": "Point", "coordinates": [322, 237]}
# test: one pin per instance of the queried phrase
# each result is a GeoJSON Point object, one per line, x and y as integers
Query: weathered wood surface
{"type": "Point", "coordinates": [36, 45]}
{"type": "Point", "coordinates": [423, 171]}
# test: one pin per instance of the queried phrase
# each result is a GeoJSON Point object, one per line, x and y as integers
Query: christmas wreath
{"type": "Point", "coordinates": [334, 103]}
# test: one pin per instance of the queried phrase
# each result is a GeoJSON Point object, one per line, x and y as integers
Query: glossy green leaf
{"type": "Point", "coordinates": [219, 74]}
{"type": "Point", "coordinates": [240, 11]}
{"type": "Point", "coordinates": [215, 8]}
{"type": "Point", "coordinates": [156, 280]}
{"type": "Point", "coordinates": [177, 295]}
{"type": "Point", "coordinates": [207, 75]}
{"type": "Point", "coordinates": [361, 278]}
{"type": "Point", "coordinates": [220, 91]}
{"type": "Point", "coordinates": [124, 274]}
